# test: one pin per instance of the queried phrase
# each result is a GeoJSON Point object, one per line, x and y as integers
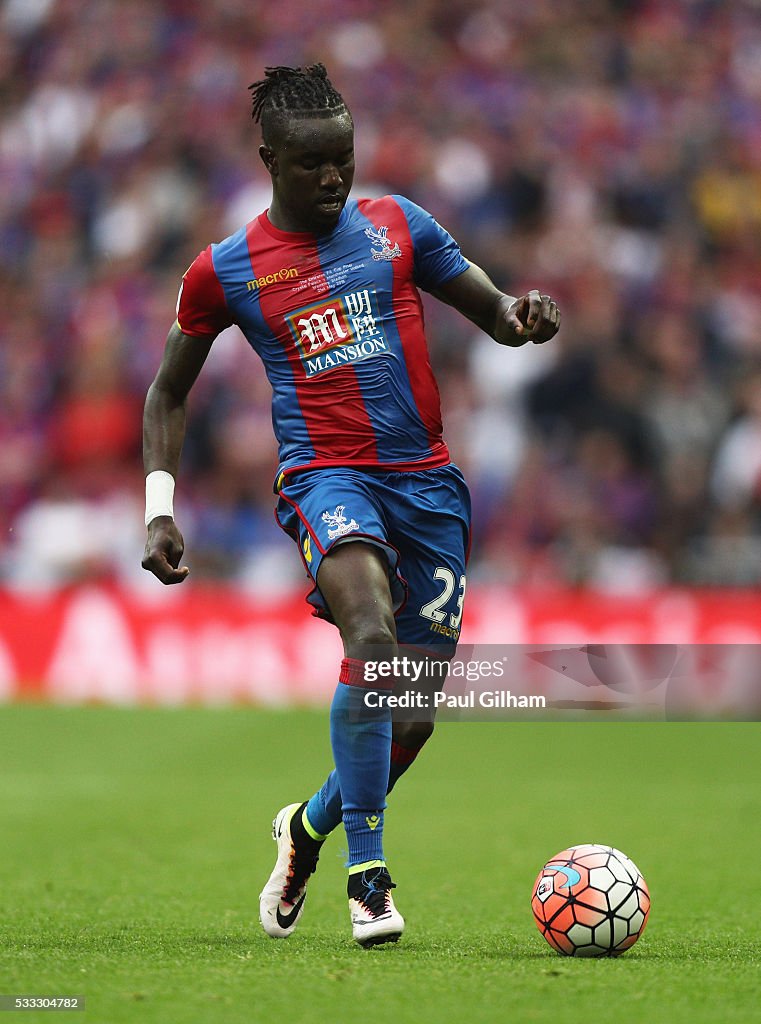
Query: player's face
{"type": "Point", "coordinates": [312, 168]}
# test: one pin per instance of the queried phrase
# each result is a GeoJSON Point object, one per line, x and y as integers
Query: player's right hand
{"type": "Point", "coordinates": [163, 551]}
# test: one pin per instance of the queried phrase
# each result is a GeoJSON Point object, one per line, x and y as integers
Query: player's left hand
{"type": "Point", "coordinates": [532, 317]}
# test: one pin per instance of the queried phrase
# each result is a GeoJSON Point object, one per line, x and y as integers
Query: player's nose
{"type": "Point", "coordinates": [331, 177]}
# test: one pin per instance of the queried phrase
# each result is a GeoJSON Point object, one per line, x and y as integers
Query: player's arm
{"type": "Point", "coordinates": [510, 321]}
{"type": "Point", "coordinates": [163, 436]}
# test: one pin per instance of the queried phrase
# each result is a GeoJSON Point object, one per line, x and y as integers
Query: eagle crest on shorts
{"type": "Point", "coordinates": [337, 525]}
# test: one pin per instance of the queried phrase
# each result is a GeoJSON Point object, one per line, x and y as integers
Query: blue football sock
{"type": "Point", "coordinates": [364, 834]}
{"type": "Point", "coordinates": [323, 812]}
{"type": "Point", "coordinates": [361, 738]}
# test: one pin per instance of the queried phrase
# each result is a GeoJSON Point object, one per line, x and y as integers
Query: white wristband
{"type": "Point", "coordinates": [159, 495]}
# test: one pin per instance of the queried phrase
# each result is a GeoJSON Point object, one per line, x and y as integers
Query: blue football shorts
{"type": "Point", "coordinates": [420, 520]}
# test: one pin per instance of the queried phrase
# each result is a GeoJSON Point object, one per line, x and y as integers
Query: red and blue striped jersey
{"type": "Point", "coordinates": [338, 322]}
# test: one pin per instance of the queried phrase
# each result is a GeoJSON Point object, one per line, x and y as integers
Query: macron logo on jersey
{"type": "Point", "coordinates": [281, 275]}
{"type": "Point", "coordinates": [344, 329]}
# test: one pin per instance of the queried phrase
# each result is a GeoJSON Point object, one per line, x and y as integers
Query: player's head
{"type": "Point", "coordinates": [308, 144]}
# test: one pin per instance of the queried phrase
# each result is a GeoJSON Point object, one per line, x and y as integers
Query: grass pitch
{"type": "Point", "coordinates": [134, 844]}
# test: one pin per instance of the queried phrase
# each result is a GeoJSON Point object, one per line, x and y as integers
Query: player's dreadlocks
{"type": "Point", "coordinates": [286, 92]}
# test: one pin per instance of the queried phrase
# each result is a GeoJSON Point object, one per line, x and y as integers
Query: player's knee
{"type": "Point", "coordinates": [354, 581]}
{"type": "Point", "coordinates": [412, 734]}
{"type": "Point", "coordinates": [365, 633]}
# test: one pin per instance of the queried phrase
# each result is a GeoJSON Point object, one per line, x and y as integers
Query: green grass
{"type": "Point", "coordinates": [134, 844]}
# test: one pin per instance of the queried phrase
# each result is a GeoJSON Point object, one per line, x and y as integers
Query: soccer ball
{"type": "Point", "coordinates": [590, 900]}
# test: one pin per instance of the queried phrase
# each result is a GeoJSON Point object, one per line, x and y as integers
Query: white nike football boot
{"type": "Point", "coordinates": [374, 918]}
{"type": "Point", "coordinates": [281, 901]}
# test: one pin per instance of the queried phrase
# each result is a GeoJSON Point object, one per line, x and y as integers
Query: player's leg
{"type": "Point", "coordinates": [430, 513]}
{"type": "Point", "coordinates": [411, 728]}
{"type": "Point", "coordinates": [364, 590]}
{"type": "Point", "coordinates": [430, 525]}
{"type": "Point", "coordinates": [409, 733]}
{"type": "Point", "coordinates": [353, 579]}
{"type": "Point", "coordinates": [354, 582]}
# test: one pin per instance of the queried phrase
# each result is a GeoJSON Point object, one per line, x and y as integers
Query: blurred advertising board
{"type": "Point", "coordinates": [219, 645]}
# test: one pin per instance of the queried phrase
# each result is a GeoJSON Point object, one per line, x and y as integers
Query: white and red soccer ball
{"type": "Point", "coordinates": [590, 900]}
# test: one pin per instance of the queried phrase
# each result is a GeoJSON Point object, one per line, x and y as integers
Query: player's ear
{"type": "Point", "coordinates": [268, 159]}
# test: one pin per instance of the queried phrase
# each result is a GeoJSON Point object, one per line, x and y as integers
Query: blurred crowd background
{"type": "Point", "coordinates": [608, 152]}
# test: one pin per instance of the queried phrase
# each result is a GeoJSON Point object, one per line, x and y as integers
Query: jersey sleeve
{"type": "Point", "coordinates": [201, 305]}
{"type": "Point", "coordinates": [437, 254]}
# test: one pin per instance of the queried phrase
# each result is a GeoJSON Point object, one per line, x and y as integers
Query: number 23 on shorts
{"type": "Point", "coordinates": [434, 609]}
